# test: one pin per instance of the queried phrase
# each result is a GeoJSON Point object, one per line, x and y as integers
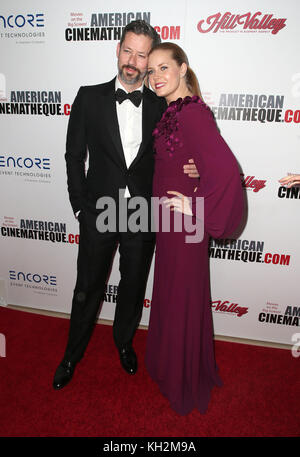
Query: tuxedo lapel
{"type": "Point", "coordinates": [111, 120]}
{"type": "Point", "coordinates": [149, 114]}
{"type": "Point", "coordinates": [148, 120]}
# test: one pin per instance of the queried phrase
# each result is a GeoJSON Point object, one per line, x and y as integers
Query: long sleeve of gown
{"type": "Point", "coordinates": [220, 181]}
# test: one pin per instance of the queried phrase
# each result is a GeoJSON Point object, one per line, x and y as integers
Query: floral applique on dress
{"type": "Point", "coordinates": [169, 124]}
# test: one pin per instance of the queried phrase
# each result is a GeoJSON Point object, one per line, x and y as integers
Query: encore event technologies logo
{"type": "Point", "coordinates": [27, 167]}
{"type": "Point", "coordinates": [36, 281]}
{"type": "Point", "coordinates": [22, 25]}
{"type": "Point", "coordinates": [241, 23]}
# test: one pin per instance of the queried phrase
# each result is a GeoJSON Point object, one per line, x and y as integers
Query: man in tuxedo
{"type": "Point", "coordinates": [114, 123]}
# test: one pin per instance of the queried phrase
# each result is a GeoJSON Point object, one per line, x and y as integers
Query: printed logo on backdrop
{"type": "Point", "coordinates": [110, 295]}
{"type": "Point", "coordinates": [292, 193]}
{"type": "Point", "coordinates": [29, 229]}
{"type": "Point", "coordinates": [27, 167]}
{"type": "Point", "coordinates": [23, 27]}
{"type": "Point", "coordinates": [37, 282]}
{"type": "Point", "coordinates": [263, 108]}
{"type": "Point", "coordinates": [252, 183]}
{"type": "Point", "coordinates": [274, 313]}
{"type": "Point", "coordinates": [35, 103]}
{"type": "Point", "coordinates": [228, 308]}
{"type": "Point", "coordinates": [107, 26]}
{"type": "Point", "coordinates": [246, 251]}
{"type": "Point", "coordinates": [257, 22]}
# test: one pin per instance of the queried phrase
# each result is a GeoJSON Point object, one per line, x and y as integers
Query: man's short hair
{"type": "Point", "coordinates": [141, 27]}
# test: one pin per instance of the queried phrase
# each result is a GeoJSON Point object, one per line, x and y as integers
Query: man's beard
{"type": "Point", "coordinates": [131, 79]}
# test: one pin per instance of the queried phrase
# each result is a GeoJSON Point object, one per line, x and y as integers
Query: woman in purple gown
{"type": "Point", "coordinates": [180, 352]}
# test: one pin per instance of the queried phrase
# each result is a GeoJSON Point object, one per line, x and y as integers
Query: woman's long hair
{"type": "Point", "coordinates": [180, 57]}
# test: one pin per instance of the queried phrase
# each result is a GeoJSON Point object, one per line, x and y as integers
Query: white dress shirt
{"type": "Point", "coordinates": [130, 126]}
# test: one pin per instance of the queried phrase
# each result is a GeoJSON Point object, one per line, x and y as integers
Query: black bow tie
{"type": "Point", "coordinates": [135, 97]}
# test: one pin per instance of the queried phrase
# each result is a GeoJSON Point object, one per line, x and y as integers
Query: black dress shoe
{"type": "Point", "coordinates": [128, 359]}
{"type": "Point", "coordinates": [63, 374]}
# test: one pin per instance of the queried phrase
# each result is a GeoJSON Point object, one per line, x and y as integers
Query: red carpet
{"type": "Point", "coordinates": [260, 396]}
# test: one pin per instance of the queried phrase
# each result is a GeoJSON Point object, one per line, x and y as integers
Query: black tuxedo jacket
{"type": "Point", "coordinates": [93, 128]}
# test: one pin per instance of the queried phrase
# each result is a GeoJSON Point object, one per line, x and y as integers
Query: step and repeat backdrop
{"type": "Point", "coordinates": [246, 56]}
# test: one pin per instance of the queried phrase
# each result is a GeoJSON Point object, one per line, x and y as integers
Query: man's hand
{"type": "Point", "coordinates": [191, 170]}
{"type": "Point", "coordinates": [289, 181]}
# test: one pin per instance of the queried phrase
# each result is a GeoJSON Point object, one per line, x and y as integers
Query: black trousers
{"type": "Point", "coordinates": [95, 257]}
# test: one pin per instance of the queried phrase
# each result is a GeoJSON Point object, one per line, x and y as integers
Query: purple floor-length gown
{"type": "Point", "coordinates": [180, 352]}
